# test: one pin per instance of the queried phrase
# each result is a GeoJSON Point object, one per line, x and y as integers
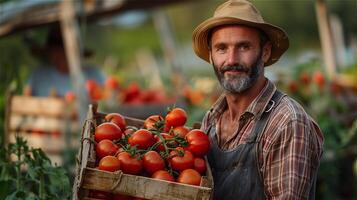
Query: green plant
{"type": "Point", "coordinates": [27, 173]}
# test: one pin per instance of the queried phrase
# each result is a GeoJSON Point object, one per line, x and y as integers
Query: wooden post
{"type": "Point", "coordinates": [326, 38]}
{"type": "Point", "coordinates": [168, 44]}
{"type": "Point", "coordinates": [73, 54]}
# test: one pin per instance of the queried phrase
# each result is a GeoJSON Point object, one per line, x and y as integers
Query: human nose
{"type": "Point", "coordinates": [232, 57]}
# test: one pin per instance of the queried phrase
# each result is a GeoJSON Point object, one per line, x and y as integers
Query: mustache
{"type": "Point", "coordinates": [239, 68]}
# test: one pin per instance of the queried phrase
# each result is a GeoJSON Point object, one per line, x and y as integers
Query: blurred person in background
{"type": "Point", "coordinates": [263, 144]}
{"type": "Point", "coordinates": [53, 79]}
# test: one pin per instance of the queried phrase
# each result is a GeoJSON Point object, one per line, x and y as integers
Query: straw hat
{"type": "Point", "coordinates": [239, 12]}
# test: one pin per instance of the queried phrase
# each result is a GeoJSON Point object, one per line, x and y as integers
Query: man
{"type": "Point", "coordinates": [263, 144]}
{"type": "Point", "coordinates": [55, 77]}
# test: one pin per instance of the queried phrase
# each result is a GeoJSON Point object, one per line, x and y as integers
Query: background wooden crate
{"type": "Point", "coordinates": [45, 122]}
{"type": "Point", "coordinates": [88, 178]}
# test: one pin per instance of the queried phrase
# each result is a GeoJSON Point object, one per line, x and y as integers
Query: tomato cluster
{"type": "Point", "coordinates": [163, 148]}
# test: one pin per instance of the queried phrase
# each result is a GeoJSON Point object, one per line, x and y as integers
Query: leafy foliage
{"type": "Point", "coordinates": [326, 102]}
{"type": "Point", "coordinates": [27, 173]}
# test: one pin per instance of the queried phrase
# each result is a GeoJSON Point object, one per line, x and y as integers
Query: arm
{"type": "Point", "coordinates": [292, 161]}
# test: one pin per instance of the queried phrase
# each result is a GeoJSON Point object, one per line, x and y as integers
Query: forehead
{"type": "Point", "coordinates": [234, 32]}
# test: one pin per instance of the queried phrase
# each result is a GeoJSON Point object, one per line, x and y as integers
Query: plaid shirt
{"type": "Point", "coordinates": [291, 144]}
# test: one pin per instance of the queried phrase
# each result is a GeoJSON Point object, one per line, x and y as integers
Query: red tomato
{"type": "Point", "coordinates": [152, 120]}
{"type": "Point", "coordinates": [153, 162]}
{"type": "Point", "coordinates": [100, 195]}
{"type": "Point", "coordinates": [105, 148]}
{"type": "Point", "coordinates": [111, 83]}
{"type": "Point", "coordinates": [91, 85]}
{"type": "Point", "coordinates": [181, 131]}
{"type": "Point", "coordinates": [131, 93]}
{"type": "Point", "coordinates": [319, 79]}
{"type": "Point", "coordinates": [189, 176]}
{"type": "Point", "coordinates": [163, 175]}
{"type": "Point", "coordinates": [122, 197]}
{"type": "Point", "coordinates": [199, 165]}
{"type": "Point", "coordinates": [292, 86]}
{"type": "Point", "coordinates": [117, 119]}
{"type": "Point", "coordinates": [181, 163]}
{"type": "Point", "coordinates": [109, 163]}
{"type": "Point", "coordinates": [69, 97]}
{"type": "Point", "coordinates": [129, 164]}
{"type": "Point", "coordinates": [305, 78]}
{"type": "Point", "coordinates": [176, 117]}
{"type": "Point", "coordinates": [165, 136]}
{"type": "Point", "coordinates": [143, 138]}
{"type": "Point", "coordinates": [107, 130]}
{"type": "Point", "coordinates": [198, 142]}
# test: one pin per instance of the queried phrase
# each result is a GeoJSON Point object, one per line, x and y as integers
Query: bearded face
{"type": "Point", "coordinates": [242, 78]}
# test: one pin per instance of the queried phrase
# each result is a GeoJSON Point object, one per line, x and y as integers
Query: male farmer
{"type": "Point", "coordinates": [263, 144]}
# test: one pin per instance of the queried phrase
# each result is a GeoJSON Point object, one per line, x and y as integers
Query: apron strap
{"type": "Point", "coordinates": [262, 121]}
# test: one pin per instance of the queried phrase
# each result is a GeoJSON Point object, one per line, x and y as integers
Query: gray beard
{"type": "Point", "coordinates": [240, 82]}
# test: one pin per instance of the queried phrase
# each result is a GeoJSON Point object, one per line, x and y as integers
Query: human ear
{"type": "Point", "coordinates": [266, 51]}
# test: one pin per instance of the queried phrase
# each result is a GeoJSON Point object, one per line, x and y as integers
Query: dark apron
{"type": "Point", "coordinates": [236, 172]}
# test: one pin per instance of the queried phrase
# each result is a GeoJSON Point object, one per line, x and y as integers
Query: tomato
{"type": "Point", "coordinates": [117, 119]}
{"type": "Point", "coordinates": [107, 130]}
{"type": "Point", "coordinates": [319, 79]}
{"type": "Point", "coordinates": [176, 117]}
{"type": "Point", "coordinates": [189, 176]}
{"type": "Point", "coordinates": [129, 164]}
{"type": "Point", "coordinates": [105, 148]}
{"type": "Point", "coordinates": [69, 96]}
{"type": "Point", "coordinates": [95, 194]}
{"type": "Point", "coordinates": [91, 84]}
{"type": "Point", "coordinates": [150, 122]}
{"type": "Point", "coordinates": [181, 131]}
{"type": "Point", "coordinates": [292, 86]}
{"type": "Point", "coordinates": [199, 165]}
{"type": "Point", "coordinates": [131, 93]}
{"type": "Point", "coordinates": [305, 78]}
{"type": "Point", "coordinates": [122, 197]}
{"type": "Point", "coordinates": [109, 163]}
{"type": "Point", "coordinates": [166, 137]}
{"type": "Point", "coordinates": [143, 138]}
{"type": "Point", "coordinates": [153, 162]}
{"type": "Point", "coordinates": [163, 175]}
{"type": "Point", "coordinates": [111, 83]}
{"type": "Point", "coordinates": [198, 142]}
{"type": "Point", "coordinates": [181, 163]}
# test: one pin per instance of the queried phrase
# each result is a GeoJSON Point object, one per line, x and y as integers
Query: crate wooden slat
{"type": "Point", "coordinates": [27, 105]}
{"type": "Point", "coordinates": [46, 142]}
{"type": "Point", "coordinates": [87, 178]}
{"type": "Point", "coordinates": [47, 124]}
{"type": "Point", "coordinates": [52, 144]}
{"type": "Point", "coordinates": [142, 186]}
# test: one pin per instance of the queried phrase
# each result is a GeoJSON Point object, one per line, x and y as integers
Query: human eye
{"type": "Point", "coordinates": [244, 46]}
{"type": "Point", "coordinates": [221, 48]}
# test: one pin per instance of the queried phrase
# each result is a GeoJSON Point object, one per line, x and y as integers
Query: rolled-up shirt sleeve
{"type": "Point", "coordinates": [292, 160]}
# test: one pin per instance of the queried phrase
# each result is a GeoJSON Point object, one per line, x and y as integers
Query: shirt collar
{"type": "Point", "coordinates": [256, 108]}
{"type": "Point", "coordinates": [258, 105]}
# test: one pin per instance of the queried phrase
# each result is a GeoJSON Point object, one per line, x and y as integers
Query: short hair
{"type": "Point", "coordinates": [263, 37]}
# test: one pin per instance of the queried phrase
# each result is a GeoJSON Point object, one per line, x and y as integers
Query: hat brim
{"type": "Point", "coordinates": [278, 37]}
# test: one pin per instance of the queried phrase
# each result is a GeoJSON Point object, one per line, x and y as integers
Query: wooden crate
{"type": "Point", "coordinates": [45, 122]}
{"type": "Point", "coordinates": [88, 178]}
